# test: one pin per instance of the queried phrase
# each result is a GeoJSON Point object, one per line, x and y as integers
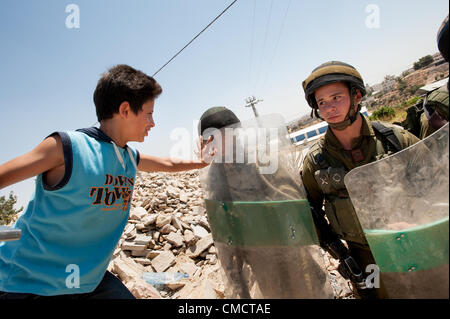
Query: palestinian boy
{"type": "Point", "coordinates": [83, 193]}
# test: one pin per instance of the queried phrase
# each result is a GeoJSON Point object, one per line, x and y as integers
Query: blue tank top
{"type": "Point", "coordinates": [72, 228]}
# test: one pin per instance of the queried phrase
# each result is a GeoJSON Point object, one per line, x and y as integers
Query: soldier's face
{"type": "Point", "coordinates": [334, 101]}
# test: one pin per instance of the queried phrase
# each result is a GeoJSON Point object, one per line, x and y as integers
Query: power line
{"type": "Point", "coordinates": [251, 45]}
{"type": "Point", "coordinates": [196, 36]}
{"type": "Point", "coordinates": [276, 45]}
{"type": "Point", "coordinates": [264, 43]}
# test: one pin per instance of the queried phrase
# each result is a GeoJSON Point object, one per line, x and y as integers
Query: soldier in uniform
{"type": "Point", "coordinates": [255, 268]}
{"type": "Point", "coordinates": [431, 112]}
{"type": "Point", "coordinates": [435, 106]}
{"type": "Point", "coordinates": [334, 91]}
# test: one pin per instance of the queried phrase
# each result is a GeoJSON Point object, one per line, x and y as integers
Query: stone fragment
{"type": "Point", "coordinates": [189, 237]}
{"type": "Point", "coordinates": [188, 268]}
{"type": "Point", "coordinates": [138, 213]}
{"type": "Point", "coordinates": [212, 250]}
{"type": "Point", "coordinates": [198, 248]}
{"type": "Point", "coordinates": [176, 222]}
{"type": "Point", "coordinates": [141, 253]}
{"type": "Point", "coordinates": [199, 231]}
{"type": "Point", "coordinates": [203, 221]}
{"type": "Point", "coordinates": [142, 290]}
{"type": "Point", "coordinates": [162, 220]}
{"type": "Point", "coordinates": [149, 219]}
{"type": "Point", "coordinates": [163, 261]}
{"type": "Point", "coordinates": [125, 269]}
{"type": "Point", "coordinates": [132, 246]}
{"type": "Point", "coordinates": [142, 240]}
{"type": "Point", "coordinates": [166, 229]}
{"type": "Point", "coordinates": [143, 261]}
{"type": "Point", "coordinates": [175, 239]}
{"type": "Point", "coordinates": [140, 227]}
{"type": "Point", "coordinates": [184, 197]}
{"type": "Point", "coordinates": [129, 230]}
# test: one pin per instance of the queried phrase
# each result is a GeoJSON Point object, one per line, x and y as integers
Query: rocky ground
{"type": "Point", "coordinates": [168, 232]}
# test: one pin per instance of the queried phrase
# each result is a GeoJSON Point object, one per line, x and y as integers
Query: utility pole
{"type": "Point", "coordinates": [252, 101]}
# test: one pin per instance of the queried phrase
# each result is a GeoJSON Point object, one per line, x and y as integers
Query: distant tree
{"type": "Point", "coordinates": [401, 84]}
{"type": "Point", "coordinates": [405, 73]}
{"type": "Point", "coordinates": [414, 88]}
{"type": "Point", "coordinates": [423, 62]}
{"type": "Point", "coordinates": [7, 211]}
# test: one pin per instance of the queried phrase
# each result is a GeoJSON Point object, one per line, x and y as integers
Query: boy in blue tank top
{"type": "Point", "coordinates": [82, 198]}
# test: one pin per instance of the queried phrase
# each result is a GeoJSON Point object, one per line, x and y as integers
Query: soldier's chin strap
{"type": "Point", "coordinates": [350, 118]}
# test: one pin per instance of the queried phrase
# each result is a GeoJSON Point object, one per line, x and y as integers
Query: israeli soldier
{"type": "Point", "coordinates": [435, 106]}
{"type": "Point", "coordinates": [334, 91]}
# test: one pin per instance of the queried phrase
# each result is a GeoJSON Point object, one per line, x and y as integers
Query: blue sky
{"type": "Point", "coordinates": [264, 48]}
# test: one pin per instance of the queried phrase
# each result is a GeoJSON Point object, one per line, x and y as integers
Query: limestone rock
{"type": "Point", "coordinates": [200, 246]}
{"type": "Point", "coordinates": [138, 213]}
{"type": "Point", "coordinates": [175, 239]}
{"type": "Point", "coordinates": [199, 231]}
{"type": "Point", "coordinates": [163, 220]}
{"type": "Point", "coordinates": [163, 261]}
{"type": "Point", "coordinates": [142, 290]}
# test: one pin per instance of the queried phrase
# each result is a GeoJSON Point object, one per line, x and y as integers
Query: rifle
{"type": "Point", "coordinates": [348, 267]}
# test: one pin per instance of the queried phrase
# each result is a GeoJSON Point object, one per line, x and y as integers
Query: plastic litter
{"type": "Point", "coordinates": [162, 278]}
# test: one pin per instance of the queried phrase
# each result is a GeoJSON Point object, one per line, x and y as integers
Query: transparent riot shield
{"type": "Point", "coordinates": [259, 216]}
{"type": "Point", "coordinates": [402, 204]}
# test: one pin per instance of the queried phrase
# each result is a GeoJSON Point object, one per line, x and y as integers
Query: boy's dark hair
{"type": "Point", "coordinates": [123, 83]}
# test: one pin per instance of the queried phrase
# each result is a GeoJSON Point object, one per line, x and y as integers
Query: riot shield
{"type": "Point", "coordinates": [259, 216]}
{"type": "Point", "coordinates": [402, 204]}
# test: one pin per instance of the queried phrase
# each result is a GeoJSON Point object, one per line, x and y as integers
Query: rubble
{"type": "Point", "coordinates": [168, 231]}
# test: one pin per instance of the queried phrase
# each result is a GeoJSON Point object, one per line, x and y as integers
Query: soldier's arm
{"type": "Point", "coordinates": [312, 188]}
{"type": "Point", "coordinates": [315, 199]}
{"type": "Point", "coordinates": [44, 157]}
{"type": "Point", "coordinates": [406, 137]}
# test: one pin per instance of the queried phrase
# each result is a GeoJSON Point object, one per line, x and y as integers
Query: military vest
{"type": "Point", "coordinates": [329, 175]}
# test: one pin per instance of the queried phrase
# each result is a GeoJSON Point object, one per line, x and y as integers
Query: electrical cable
{"type": "Point", "coordinates": [226, 9]}
{"type": "Point", "coordinates": [276, 45]}
{"type": "Point", "coordinates": [251, 46]}
{"type": "Point", "coordinates": [264, 43]}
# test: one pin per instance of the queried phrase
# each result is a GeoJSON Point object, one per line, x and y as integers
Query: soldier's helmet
{"type": "Point", "coordinates": [442, 39]}
{"type": "Point", "coordinates": [331, 72]}
{"type": "Point", "coordinates": [216, 117]}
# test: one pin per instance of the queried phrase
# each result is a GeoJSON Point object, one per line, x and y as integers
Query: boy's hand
{"type": "Point", "coordinates": [205, 151]}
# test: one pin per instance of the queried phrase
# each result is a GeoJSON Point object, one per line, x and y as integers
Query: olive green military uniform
{"type": "Point", "coordinates": [437, 101]}
{"type": "Point", "coordinates": [325, 183]}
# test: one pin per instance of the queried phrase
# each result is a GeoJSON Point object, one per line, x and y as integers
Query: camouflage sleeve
{"type": "Point", "coordinates": [405, 137]}
{"type": "Point", "coordinates": [312, 188]}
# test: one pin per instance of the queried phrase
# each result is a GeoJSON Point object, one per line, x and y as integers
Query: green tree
{"type": "Point", "coordinates": [423, 62]}
{"type": "Point", "coordinates": [401, 84]}
{"type": "Point", "coordinates": [7, 211]}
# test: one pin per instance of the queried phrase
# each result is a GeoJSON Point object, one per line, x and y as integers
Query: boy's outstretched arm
{"type": "Point", "coordinates": [149, 163]}
{"type": "Point", "coordinates": [158, 164]}
{"type": "Point", "coordinates": [46, 156]}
